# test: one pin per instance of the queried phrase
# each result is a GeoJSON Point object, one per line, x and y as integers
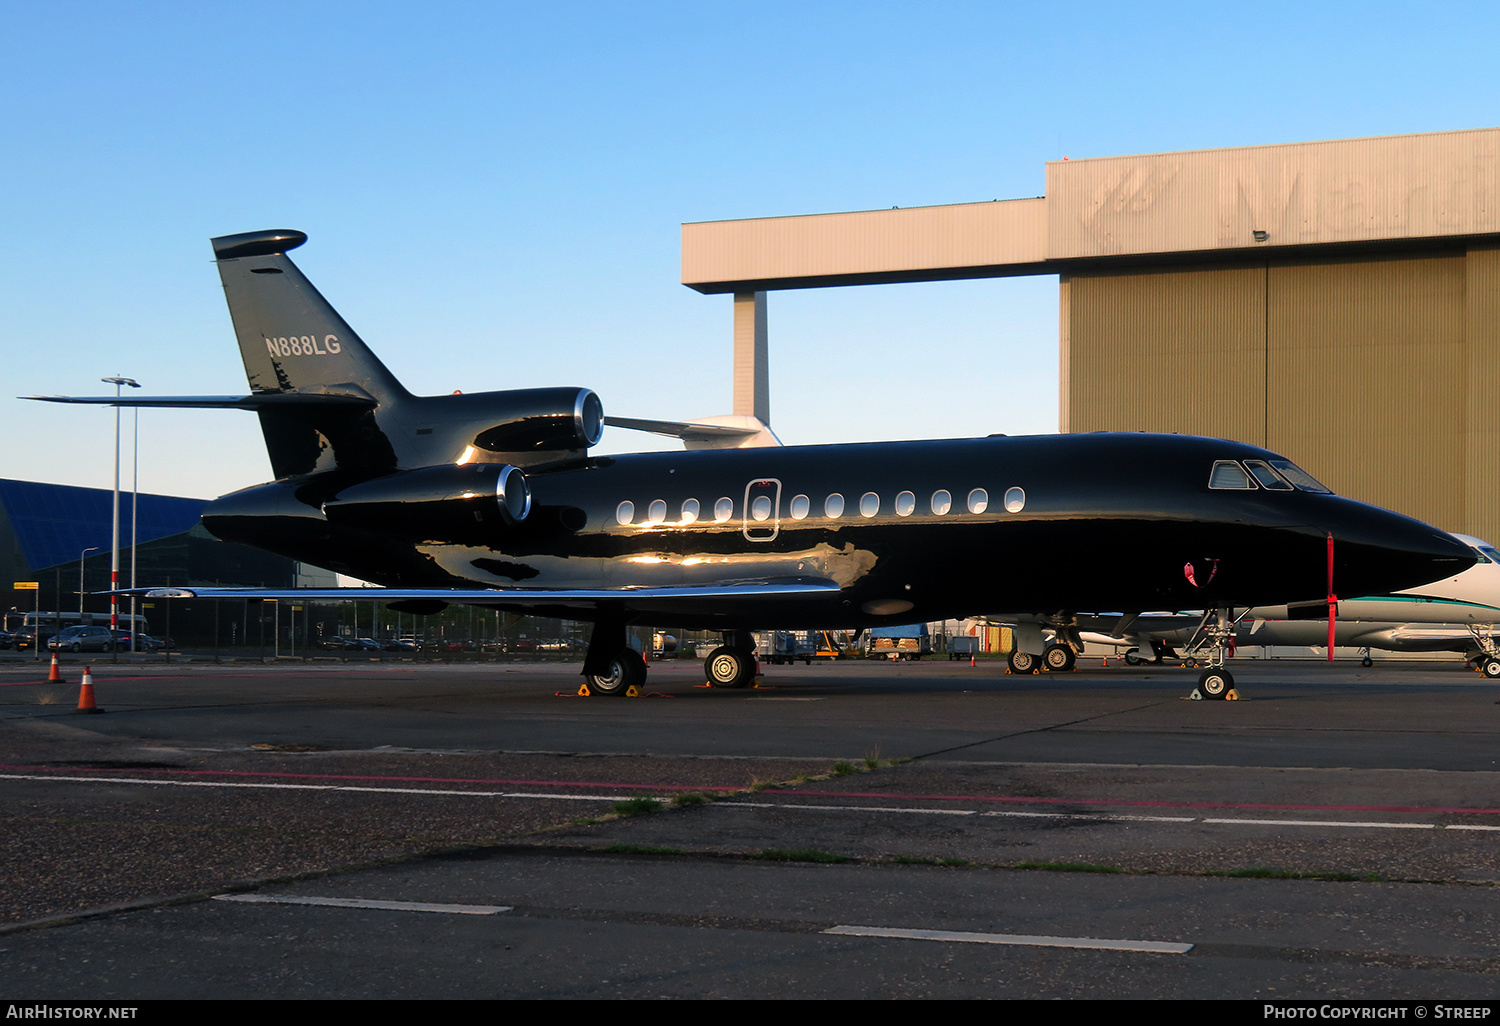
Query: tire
{"type": "Point", "coordinates": [77, 646]}
{"type": "Point", "coordinates": [1059, 658]}
{"type": "Point", "coordinates": [1367, 662]}
{"type": "Point", "coordinates": [1215, 684]}
{"type": "Point", "coordinates": [1491, 668]}
{"type": "Point", "coordinates": [1022, 662]}
{"type": "Point", "coordinates": [1133, 657]}
{"type": "Point", "coordinates": [728, 667]}
{"type": "Point", "coordinates": [625, 670]}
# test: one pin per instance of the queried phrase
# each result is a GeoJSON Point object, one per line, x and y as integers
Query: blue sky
{"type": "Point", "coordinates": [493, 191]}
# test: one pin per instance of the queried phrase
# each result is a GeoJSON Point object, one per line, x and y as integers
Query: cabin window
{"type": "Point", "coordinates": [690, 511]}
{"type": "Point", "coordinates": [657, 511]}
{"type": "Point", "coordinates": [723, 509]}
{"type": "Point", "coordinates": [942, 502]}
{"type": "Point", "coordinates": [1267, 477]}
{"type": "Point", "coordinates": [800, 507]}
{"type": "Point", "coordinates": [833, 506]}
{"type": "Point", "coordinates": [760, 508]}
{"type": "Point", "coordinates": [1015, 500]}
{"type": "Point", "coordinates": [979, 500]}
{"type": "Point", "coordinates": [869, 504]}
{"type": "Point", "coordinates": [625, 512]}
{"type": "Point", "coordinates": [906, 502]}
{"type": "Point", "coordinates": [1299, 477]}
{"type": "Point", "coordinates": [1230, 476]}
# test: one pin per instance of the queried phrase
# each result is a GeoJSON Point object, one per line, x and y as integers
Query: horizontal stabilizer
{"type": "Point", "coordinates": [261, 401]}
{"type": "Point", "coordinates": [726, 432]}
{"type": "Point", "coordinates": [684, 429]}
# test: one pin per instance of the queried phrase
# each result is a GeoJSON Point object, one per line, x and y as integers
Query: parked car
{"type": "Point", "coordinates": [85, 639]}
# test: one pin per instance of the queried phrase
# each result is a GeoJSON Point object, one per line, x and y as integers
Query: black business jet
{"type": "Point", "coordinates": [492, 499]}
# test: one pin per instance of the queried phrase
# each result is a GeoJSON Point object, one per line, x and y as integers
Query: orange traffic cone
{"type": "Point", "coordinates": [1105, 661]}
{"type": "Point", "coordinates": [86, 693]}
{"type": "Point", "coordinates": [55, 677]}
{"type": "Point", "coordinates": [971, 660]}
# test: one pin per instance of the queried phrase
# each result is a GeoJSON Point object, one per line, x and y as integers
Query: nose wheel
{"type": "Point", "coordinates": [625, 671]}
{"type": "Point", "coordinates": [1216, 632]}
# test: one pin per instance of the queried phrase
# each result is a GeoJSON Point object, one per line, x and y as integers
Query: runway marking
{"type": "Point", "coordinates": [1106, 817]}
{"type": "Point", "coordinates": [1096, 815]}
{"type": "Point", "coordinates": [389, 906]}
{"type": "Point", "coordinates": [1152, 947]}
{"type": "Point", "coordinates": [312, 787]}
{"type": "Point", "coordinates": [847, 808]}
{"type": "Point", "coordinates": [1326, 822]}
{"type": "Point", "coordinates": [1128, 803]}
{"type": "Point", "coordinates": [390, 778]}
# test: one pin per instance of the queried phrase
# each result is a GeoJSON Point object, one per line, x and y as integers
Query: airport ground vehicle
{"type": "Point", "coordinates": [910, 641]}
{"type": "Point", "coordinates": [962, 646]}
{"type": "Point", "coordinates": [492, 499]}
{"type": "Point", "coordinates": [779, 647]}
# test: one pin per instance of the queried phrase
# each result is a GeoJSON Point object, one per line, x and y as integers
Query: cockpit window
{"type": "Point", "coordinates": [1229, 475]}
{"type": "Point", "coordinates": [1299, 477]}
{"type": "Point", "coordinates": [1490, 552]}
{"type": "Point", "coordinates": [1267, 477]}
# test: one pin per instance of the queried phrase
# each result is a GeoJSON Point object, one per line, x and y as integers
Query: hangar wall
{"type": "Point", "coordinates": [1376, 373]}
{"type": "Point", "coordinates": [1337, 301]}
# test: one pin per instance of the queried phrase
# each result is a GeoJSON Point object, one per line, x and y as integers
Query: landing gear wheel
{"type": "Point", "coordinates": [1491, 668]}
{"type": "Point", "coordinates": [626, 670]}
{"type": "Point", "coordinates": [1190, 663]}
{"type": "Point", "coordinates": [728, 667]}
{"type": "Point", "coordinates": [1133, 657]}
{"type": "Point", "coordinates": [1022, 662]}
{"type": "Point", "coordinates": [1367, 662]}
{"type": "Point", "coordinates": [1215, 683]}
{"type": "Point", "coordinates": [1059, 658]}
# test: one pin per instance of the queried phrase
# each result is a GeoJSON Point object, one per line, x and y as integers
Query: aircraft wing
{"type": "Point", "coordinates": [260, 401]}
{"type": "Point", "coordinates": [574, 598]}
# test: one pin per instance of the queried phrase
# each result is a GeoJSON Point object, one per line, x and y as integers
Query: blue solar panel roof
{"type": "Point", "coordinates": [54, 523]}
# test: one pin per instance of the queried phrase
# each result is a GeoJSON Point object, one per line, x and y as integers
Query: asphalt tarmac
{"type": "Point", "coordinates": [858, 829]}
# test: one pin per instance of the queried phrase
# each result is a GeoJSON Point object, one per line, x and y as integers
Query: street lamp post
{"type": "Point", "coordinates": [85, 552]}
{"type": "Point", "coordinates": [114, 557]}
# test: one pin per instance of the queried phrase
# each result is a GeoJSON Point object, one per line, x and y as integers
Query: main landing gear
{"type": "Point", "coordinates": [732, 664]}
{"type": "Point", "coordinates": [1055, 658]}
{"type": "Point", "coordinates": [611, 667]}
{"type": "Point", "coordinates": [1216, 632]}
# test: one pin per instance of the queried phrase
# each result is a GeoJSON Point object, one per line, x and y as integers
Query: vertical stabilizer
{"type": "Point", "coordinates": [293, 342]}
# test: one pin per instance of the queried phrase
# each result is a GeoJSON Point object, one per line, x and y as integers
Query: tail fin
{"type": "Point", "coordinates": [293, 341]}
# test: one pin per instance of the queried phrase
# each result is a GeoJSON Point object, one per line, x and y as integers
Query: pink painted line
{"type": "Point", "coordinates": [1130, 804]}
{"type": "Point", "coordinates": [53, 770]}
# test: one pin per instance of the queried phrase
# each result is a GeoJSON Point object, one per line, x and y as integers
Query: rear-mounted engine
{"type": "Point", "coordinates": [446, 501]}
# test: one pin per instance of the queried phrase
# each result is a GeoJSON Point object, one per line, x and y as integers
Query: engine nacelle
{"type": "Point", "coordinates": [446, 501]}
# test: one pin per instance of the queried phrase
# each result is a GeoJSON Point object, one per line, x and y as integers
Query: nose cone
{"type": "Point", "coordinates": [1377, 552]}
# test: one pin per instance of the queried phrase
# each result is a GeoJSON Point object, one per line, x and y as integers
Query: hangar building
{"type": "Point", "coordinates": [1338, 301]}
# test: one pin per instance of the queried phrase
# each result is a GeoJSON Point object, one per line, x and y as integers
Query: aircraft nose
{"type": "Point", "coordinates": [1377, 551]}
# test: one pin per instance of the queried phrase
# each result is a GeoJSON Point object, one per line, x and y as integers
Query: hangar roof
{"type": "Point", "coordinates": [1383, 192]}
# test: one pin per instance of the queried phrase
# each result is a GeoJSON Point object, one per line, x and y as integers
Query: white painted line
{"type": "Point", "coordinates": [1463, 826]}
{"type": "Point", "coordinates": [315, 787]}
{"type": "Point", "coordinates": [1325, 823]}
{"type": "Point", "coordinates": [388, 906]}
{"type": "Point", "coordinates": [1105, 816]}
{"type": "Point", "coordinates": [1153, 947]}
{"type": "Point", "coordinates": [847, 808]}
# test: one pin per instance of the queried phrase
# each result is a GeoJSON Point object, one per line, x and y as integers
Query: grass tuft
{"type": "Point", "coordinates": [631, 807]}
{"type": "Point", "coordinates": [689, 798]}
